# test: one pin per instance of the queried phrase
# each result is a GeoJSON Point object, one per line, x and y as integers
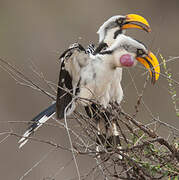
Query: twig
{"type": "Point", "coordinates": [20, 74]}
{"type": "Point", "coordinates": [36, 164]}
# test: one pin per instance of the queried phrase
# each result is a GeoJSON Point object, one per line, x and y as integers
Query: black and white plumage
{"type": "Point", "coordinates": [97, 75]}
{"type": "Point", "coordinates": [108, 32]}
{"type": "Point", "coordinates": [69, 78]}
{"type": "Point", "coordinates": [98, 71]}
{"type": "Point", "coordinates": [65, 81]}
{"type": "Point", "coordinates": [117, 25]}
{"type": "Point", "coordinates": [37, 122]}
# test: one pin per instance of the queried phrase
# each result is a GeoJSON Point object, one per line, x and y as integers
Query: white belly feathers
{"type": "Point", "coordinates": [98, 82]}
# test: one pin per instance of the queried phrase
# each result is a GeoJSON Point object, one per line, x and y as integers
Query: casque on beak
{"type": "Point", "coordinates": [151, 63]}
{"type": "Point", "coordinates": [136, 21]}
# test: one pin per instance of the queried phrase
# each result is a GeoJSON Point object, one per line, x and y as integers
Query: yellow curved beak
{"type": "Point", "coordinates": [136, 21]}
{"type": "Point", "coordinates": [151, 63]}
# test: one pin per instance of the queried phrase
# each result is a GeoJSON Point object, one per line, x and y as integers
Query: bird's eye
{"type": "Point", "coordinates": [140, 52]}
{"type": "Point", "coordinates": [120, 21]}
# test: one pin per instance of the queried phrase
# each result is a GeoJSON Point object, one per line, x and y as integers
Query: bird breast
{"type": "Point", "coordinates": [96, 80]}
{"type": "Point", "coordinates": [116, 92]}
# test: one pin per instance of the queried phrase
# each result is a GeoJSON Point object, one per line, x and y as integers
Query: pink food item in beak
{"type": "Point", "coordinates": [127, 60]}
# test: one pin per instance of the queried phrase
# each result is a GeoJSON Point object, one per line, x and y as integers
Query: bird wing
{"type": "Point", "coordinates": [46, 114]}
{"type": "Point", "coordinates": [66, 88]}
{"type": "Point", "coordinates": [65, 98]}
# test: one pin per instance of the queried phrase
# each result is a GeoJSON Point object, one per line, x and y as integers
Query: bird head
{"type": "Point", "coordinates": [116, 25]}
{"type": "Point", "coordinates": [126, 52]}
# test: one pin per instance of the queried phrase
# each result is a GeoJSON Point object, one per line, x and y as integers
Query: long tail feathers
{"type": "Point", "coordinates": [37, 122]}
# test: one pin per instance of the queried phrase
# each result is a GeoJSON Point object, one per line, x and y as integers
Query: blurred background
{"type": "Point", "coordinates": [36, 31]}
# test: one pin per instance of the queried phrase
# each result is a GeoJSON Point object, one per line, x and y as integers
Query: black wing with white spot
{"type": "Point", "coordinates": [64, 80]}
{"type": "Point", "coordinates": [65, 87]}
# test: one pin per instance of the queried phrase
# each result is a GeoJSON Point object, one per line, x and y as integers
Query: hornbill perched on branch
{"type": "Point", "coordinates": [98, 72]}
{"type": "Point", "coordinates": [108, 33]}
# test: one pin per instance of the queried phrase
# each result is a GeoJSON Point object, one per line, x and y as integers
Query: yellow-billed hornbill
{"type": "Point", "coordinates": [117, 25]}
{"type": "Point", "coordinates": [96, 77]}
{"type": "Point", "coordinates": [70, 76]}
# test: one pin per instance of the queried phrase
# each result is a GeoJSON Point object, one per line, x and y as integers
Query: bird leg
{"type": "Point", "coordinates": [94, 112]}
{"type": "Point", "coordinates": [108, 134]}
